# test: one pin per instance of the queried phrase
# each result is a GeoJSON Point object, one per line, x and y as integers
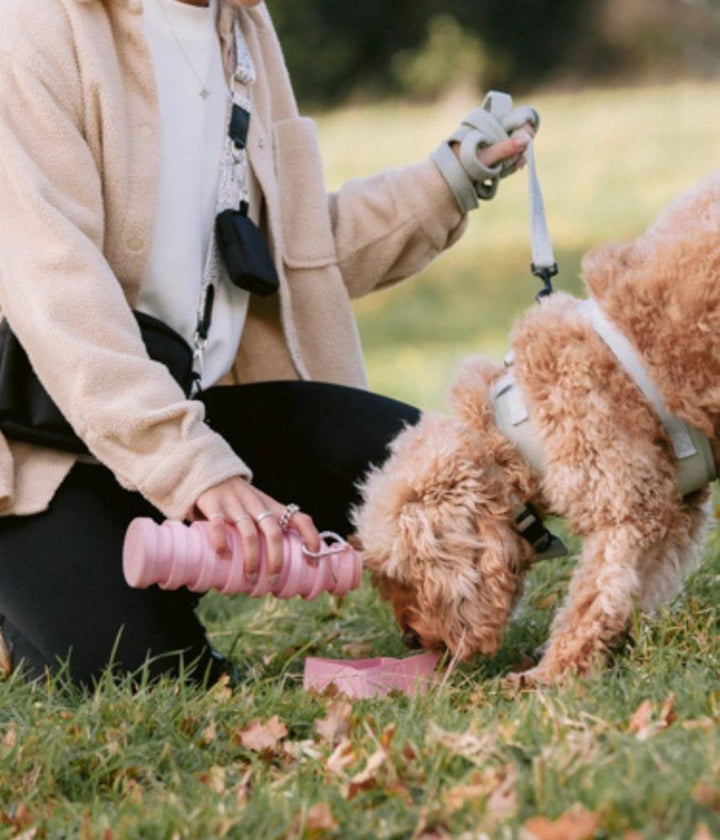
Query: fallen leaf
{"type": "Point", "coordinates": [667, 713]}
{"type": "Point", "coordinates": [642, 723]}
{"type": "Point", "coordinates": [386, 738]}
{"type": "Point", "coordinates": [259, 737]}
{"type": "Point", "coordinates": [473, 748]}
{"type": "Point", "coordinates": [302, 749]}
{"type": "Point", "coordinates": [367, 778]}
{"type": "Point", "coordinates": [576, 824]}
{"type": "Point", "coordinates": [707, 795]}
{"type": "Point", "coordinates": [343, 756]}
{"type": "Point", "coordinates": [10, 737]}
{"type": "Point", "coordinates": [209, 734]}
{"type": "Point", "coordinates": [214, 778]}
{"type": "Point", "coordinates": [503, 801]}
{"type": "Point", "coordinates": [641, 717]}
{"type": "Point", "coordinates": [320, 819]}
{"type": "Point", "coordinates": [707, 723]}
{"type": "Point", "coordinates": [336, 723]}
{"type": "Point", "coordinates": [458, 796]}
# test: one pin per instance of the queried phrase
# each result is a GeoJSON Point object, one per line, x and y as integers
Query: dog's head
{"type": "Point", "coordinates": [436, 525]}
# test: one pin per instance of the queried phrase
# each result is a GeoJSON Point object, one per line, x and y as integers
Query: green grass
{"type": "Point", "coordinates": [467, 760]}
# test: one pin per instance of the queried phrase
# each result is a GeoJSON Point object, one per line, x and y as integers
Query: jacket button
{"type": "Point", "coordinates": [135, 243]}
{"type": "Point", "coordinates": [261, 142]}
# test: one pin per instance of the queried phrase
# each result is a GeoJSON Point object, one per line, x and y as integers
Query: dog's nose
{"type": "Point", "coordinates": [412, 640]}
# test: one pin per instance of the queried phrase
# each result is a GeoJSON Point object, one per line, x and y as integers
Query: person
{"type": "Point", "coordinates": [113, 144]}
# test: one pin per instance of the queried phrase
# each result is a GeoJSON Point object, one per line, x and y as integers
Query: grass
{"type": "Point", "coordinates": [631, 753]}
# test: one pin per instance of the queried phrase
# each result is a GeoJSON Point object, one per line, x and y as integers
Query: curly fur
{"type": "Point", "coordinates": [436, 523]}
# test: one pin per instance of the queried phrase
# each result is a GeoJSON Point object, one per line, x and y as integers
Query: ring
{"type": "Point", "coordinates": [287, 515]}
{"type": "Point", "coordinates": [217, 515]}
{"type": "Point", "coordinates": [239, 519]}
{"type": "Point", "coordinates": [264, 515]}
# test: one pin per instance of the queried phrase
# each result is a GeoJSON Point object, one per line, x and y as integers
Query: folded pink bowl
{"type": "Point", "coordinates": [361, 678]}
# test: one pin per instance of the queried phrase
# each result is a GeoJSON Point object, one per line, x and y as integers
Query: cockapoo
{"type": "Point", "coordinates": [437, 523]}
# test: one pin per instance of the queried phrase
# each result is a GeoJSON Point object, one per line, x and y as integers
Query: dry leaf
{"type": "Point", "coordinates": [214, 778]}
{"type": "Point", "coordinates": [343, 756]}
{"type": "Point", "coordinates": [209, 734]}
{"type": "Point", "coordinates": [667, 713]}
{"type": "Point", "coordinates": [707, 723]}
{"type": "Point", "coordinates": [387, 736]}
{"type": "Point", "coordinates": [320, 819]}
{"type": "Point", "coordinates": [473, 748]}
{"type": "Point", "coordinates": [503, 801]}
{"type": "Point", "coordinates": [702, 832]}
{"type": "Point", "coordinates": [258, 736]}
{"type": "Point", "coordinates": [10, 737]}
{"type": "Point", "coordinates": [367, 778]}
{"type": "Point", "coordinates": [707, 795]}
{"type": "Point", "coordinates": [336, 723]}
{"type": "Point", "coordinates": [302, 749]}
{"type": "Point", "coordinates": [641, 717]}
{"type": "Point", "coordinates": [576, 824]}
{"type": "Point", "coordinates": [642, 723]}
{"type": "Point", "coordinates": [456, 797]}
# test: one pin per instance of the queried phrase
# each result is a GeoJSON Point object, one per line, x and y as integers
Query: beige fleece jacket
{"type": "Point", "coordinates": [79, 141]}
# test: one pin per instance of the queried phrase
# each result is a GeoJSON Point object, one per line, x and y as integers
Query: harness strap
{"type": "Point", "coordinates": [696, 464]}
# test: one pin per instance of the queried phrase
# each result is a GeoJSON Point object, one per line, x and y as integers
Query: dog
{"type": "Point", "coordinates": [437, 522]}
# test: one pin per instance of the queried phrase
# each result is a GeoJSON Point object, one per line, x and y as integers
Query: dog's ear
{"type": "Point", "coordinates": [473, 605]}
{"type": "Point", "coordinates": [468, 396]}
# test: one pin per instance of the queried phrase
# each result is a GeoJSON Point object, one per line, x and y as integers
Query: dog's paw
{"type": "Point", "coordinates": [537, 677]}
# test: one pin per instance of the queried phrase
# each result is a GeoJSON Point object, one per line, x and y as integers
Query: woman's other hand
{"type": "Point", "coordinates": [237, 504]}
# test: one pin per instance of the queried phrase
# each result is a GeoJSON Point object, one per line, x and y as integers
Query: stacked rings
{"type": "Point", "coordinates": [287, 515]}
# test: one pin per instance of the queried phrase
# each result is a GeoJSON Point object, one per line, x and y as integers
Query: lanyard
{"type": "Point", "coordinates": [232, 192]}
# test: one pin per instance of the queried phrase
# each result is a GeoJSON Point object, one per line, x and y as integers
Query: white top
{"type": "Point", "coordinates": [186, 56]}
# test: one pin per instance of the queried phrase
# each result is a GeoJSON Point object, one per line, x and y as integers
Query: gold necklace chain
{"type": "Point", "coordinates": [203, 88]}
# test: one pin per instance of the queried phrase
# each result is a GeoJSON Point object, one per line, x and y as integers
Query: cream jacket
{"type": "Point", "coordinates": [79, 141]}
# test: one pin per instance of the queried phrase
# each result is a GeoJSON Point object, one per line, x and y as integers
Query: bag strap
{"type": "Point", "coordinates": [232, 191]}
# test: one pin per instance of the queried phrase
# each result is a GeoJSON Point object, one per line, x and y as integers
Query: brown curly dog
{"type": "Point", "coordinates": [437, 521]}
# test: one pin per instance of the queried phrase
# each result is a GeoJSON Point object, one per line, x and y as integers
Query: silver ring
{"type": "Point", "coordinates": [264, 515]}
{"type": "Point", "coordinates": [239, 519]}
{"type": "Point", "coordinates": [287, 515]}
{"type": "Point", "coordinates": [217, 515]}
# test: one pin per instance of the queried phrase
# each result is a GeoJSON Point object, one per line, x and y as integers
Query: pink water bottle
{"type": "Point", "coordinates": [174, 555]}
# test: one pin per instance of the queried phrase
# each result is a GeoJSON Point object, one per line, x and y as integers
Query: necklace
{"type": "Point", "coordinates": [202, 83]}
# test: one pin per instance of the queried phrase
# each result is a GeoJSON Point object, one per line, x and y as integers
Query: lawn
{"type": "Point", "coordinates": [632, 753]}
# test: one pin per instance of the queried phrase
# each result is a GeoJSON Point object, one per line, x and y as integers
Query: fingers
{"type": "Point", "coordinates": [505, 150]}
{"type": "Point", "coordinates": [257, 518]}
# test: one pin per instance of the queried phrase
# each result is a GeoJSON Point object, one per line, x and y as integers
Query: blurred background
{"type": "Point", "coordinates": [629, 96]}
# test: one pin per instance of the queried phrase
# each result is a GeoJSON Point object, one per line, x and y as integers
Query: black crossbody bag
{"type": "Point", "coordinates": [27, 412]}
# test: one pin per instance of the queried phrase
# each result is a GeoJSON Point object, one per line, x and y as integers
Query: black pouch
{"type": "Point", "coordinates": [245, 253]}
{"type": "Point", "coordinates": [27, 412]}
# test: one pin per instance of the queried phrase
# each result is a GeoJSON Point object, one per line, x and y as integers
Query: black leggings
{"type": "Point", "coordinates": [62, 593]}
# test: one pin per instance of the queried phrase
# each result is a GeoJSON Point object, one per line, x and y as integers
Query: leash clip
{"type": "Point", "coordinates": [545, 273]}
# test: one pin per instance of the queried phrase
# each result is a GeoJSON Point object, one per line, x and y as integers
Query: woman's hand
{"type": "Point", "coordinates": [511, 150]}
{"type": "Point", "coordinates": [237, 504]}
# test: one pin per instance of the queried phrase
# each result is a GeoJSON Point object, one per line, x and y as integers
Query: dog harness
{"type": "Point", "coordinates": [694, 461]}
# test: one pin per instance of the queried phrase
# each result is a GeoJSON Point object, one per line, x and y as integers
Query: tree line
{"type": "Point", "coordinates": [421, 48]}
